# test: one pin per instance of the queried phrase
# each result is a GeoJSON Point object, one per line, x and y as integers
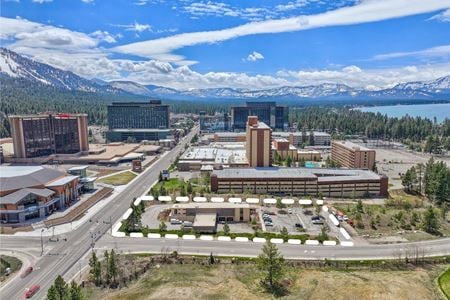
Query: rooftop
{"type": "Point", "coordinates": [299, 133]}
{"type": "Point", "coordinates": [321, 174]}
{"type": "Point", "coordinates": [352, 145]}
{"type": "Point", "coordinates": [211, 205]}
{"type": "Point", "coordinates": [205, 220]}
{"type": "Point", "coordinates": [18, 195]}
{"type": "Point", "coordinates": [62, 181]}
{"type": "Point", "coordinates": [18, 177]}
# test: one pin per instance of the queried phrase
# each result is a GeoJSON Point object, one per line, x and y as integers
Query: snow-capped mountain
{"type": "Point", "coordinates": [16, 66]}
{"type": "Point", "coordinates": [20, 67]}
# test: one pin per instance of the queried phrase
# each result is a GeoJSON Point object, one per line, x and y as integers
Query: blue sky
{"type": "Point", "coordinates": [246, 44]}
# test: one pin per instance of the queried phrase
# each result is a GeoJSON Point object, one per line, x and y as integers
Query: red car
{"type": "Point", "coordinates": [32, 290]}
{"type": "Point", "coordinates": [26, 272]}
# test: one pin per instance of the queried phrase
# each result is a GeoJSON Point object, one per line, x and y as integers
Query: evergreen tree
{"type": "Point", "coordinates": [311, 138]}
{"type": "Point", "coordinates": [271, 263]}
{"type": "Point", "coordinates": [52, 293]}
{"type": "Point", "coordinates": [75, 291]}
{"type": "Point", "coordinates": [61, 287]}
{"type": "Point", "coordinates": [430, 221]}
{"type": "Point", "coordinates": [113, 268]}
{"type": "Point", "coordinates": [107, 268]}
{"type": "Point", "coordinates": [95, 271]}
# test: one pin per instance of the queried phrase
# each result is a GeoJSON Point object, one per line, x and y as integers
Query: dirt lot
{"type": "Point", "coordinates": [241, 282]}
{"type": "Point", "coordinates": [393, 162]}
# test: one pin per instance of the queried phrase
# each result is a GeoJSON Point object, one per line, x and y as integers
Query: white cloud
{"type": "Point", "coordinates": [141, 2]}
{"type": "Point", "coordinates": [364, 12]}
{"type": "Point", "coordinates": [442, 17]}
{"type": "Point", "coordinates": [439, 51]}
{"type": "Point", "coordinates": [42, 1]}
{"type": "Point", "coordinates": [105, 36]}
{"type": "Point", "coordinates": [254, 56]}
{"type": "Point", "coordinates": [87, 1]}
{"type": "Point", "coordinates": [137, 27]}
{"type": "Point", "coordinates": [80, 53]}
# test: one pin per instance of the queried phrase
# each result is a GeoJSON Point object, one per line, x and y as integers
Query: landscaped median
{"type": "Point", "coordinates": [257, 237]}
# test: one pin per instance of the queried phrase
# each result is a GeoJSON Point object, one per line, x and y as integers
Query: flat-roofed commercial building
{"type": "Point", "coordinates": [217, 155]}
{"type": "Point", "coordinates": [296, 138]}
{"type": "Point", "coordinates": [138, 120]}
{"type": "Point", "coordinates": [275, 116]}
{"type": "Point", "coordinates": [283, 148]}
{"type": "Point", "coordinates": [337, 183]}
{"type": "Point", "coordinates": [28, 192]}
{"type": "Point", "coordinates": [228, 212]}
{"type": "Point", "coordinates": [47, 134]}
{"type": "Point", "coordinates": [230, 137]}
{"type": "Point", "coordinates": [351, 155]}
{"type": "Point", "coordinates": [259, 143]}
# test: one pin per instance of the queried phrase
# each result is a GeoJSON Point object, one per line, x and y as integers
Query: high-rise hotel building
{"type": "Point", "coordinates": [46, 134]}
{"type": "Point", "coordinates": [259, 143]}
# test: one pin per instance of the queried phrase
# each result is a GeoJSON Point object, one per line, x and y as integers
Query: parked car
{"type": "Point", "coordinates": [289, 210]}
{"type": "Point", "coordinates": [269, 224]}
{"type": "Point", "coordinates": [187, 224]}
{"type": "Point", "coordinates": [308, 212]}
{"type": "Point", "coordinates": [315, 218]}
{"type": "Point", "coordinates": [175, 222]}
{"type": "Point", "coordinates": [317, 222]}
{"type": "Point", "coordinates": [298, 225]}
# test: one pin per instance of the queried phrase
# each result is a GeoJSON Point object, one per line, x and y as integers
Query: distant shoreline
{"type": "Point", "coordinates": [423, 110]}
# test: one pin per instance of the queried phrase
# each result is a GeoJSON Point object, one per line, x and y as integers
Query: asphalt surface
{"type": "Point", "coordinates": [439, 247]}
{"type": "Point", "coordinates": [65, 254]}
{"type": "Point", "coordinates": [66, 257]}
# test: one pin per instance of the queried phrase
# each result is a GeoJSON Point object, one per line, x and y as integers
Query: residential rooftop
{"type": "Point", "coordinates": [353, 146]}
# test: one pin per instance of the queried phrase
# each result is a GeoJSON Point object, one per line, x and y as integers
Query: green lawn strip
{"type": "Point", "coordinates": [444, 283]}
{"type": "Point", "coordinates": [118, 179]}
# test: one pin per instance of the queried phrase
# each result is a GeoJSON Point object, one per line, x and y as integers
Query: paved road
{"type": "Point", "coordinates": [64, 255]}
{"type": "Point", "coordinates": [438, 247]}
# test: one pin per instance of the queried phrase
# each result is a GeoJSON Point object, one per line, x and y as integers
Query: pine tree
{"type": "Point", "coordinates": [430, 221]}
{"type": "Point", "coordinates": [52, 293]}
{"type": "Point", "coordinates": [271, 263]}
{"type": "Point", "coordinates": [107, 268]}
{"type": "Point", "coordinates": [61, 287]}
{"type": "Point", "coordinates": [75, 291]}
{"type": "Point", "coordinates": [95, 269]}
{"type": "Point", "coordinates": [113, 268]}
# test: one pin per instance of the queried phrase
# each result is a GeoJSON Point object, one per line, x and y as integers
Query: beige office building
{"type": "Point", "coordinates": [259, 143]}
{"type": "Point", "coordinates": [351, 155]}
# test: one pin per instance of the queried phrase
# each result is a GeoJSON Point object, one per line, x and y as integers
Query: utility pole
{"type": "Point", "coordinates": [42, 242]}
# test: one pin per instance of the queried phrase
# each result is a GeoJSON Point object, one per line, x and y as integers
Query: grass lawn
{"type": "Point", "coordinates": [187, 281]}
{"type": "Point", "coordinates": [444, 283]}
{"type": "Point", "coordinates": [8, 262]}
{"type": "Point", "coordinates": [118, 179]}
{"type": "Point", "coordinates": [174, 185]}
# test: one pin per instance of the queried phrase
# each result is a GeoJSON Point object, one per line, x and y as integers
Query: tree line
{"type": "Point", "coordinates": [346, 121]}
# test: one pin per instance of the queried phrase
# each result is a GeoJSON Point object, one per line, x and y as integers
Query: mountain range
{"type": "Point", "coordinates": [15, 66]}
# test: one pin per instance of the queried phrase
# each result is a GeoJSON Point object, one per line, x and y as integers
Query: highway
{"type": "Point", "coordinates": [66, 257]}
{"type": "Point", "coordinates": [65, 254]}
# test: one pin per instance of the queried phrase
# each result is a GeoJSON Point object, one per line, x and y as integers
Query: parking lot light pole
{"type": "Point", "coordinates": [42, 242]}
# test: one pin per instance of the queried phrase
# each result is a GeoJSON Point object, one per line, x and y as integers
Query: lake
{"type": "Point", "coordinates": [440, 111]}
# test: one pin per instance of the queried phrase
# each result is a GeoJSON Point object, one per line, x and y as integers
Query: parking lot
{"type": "Point", "coordinates": [289, 217]}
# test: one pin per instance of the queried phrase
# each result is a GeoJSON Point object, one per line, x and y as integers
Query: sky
{"type": "Point", "coordinates": [249, 44]}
